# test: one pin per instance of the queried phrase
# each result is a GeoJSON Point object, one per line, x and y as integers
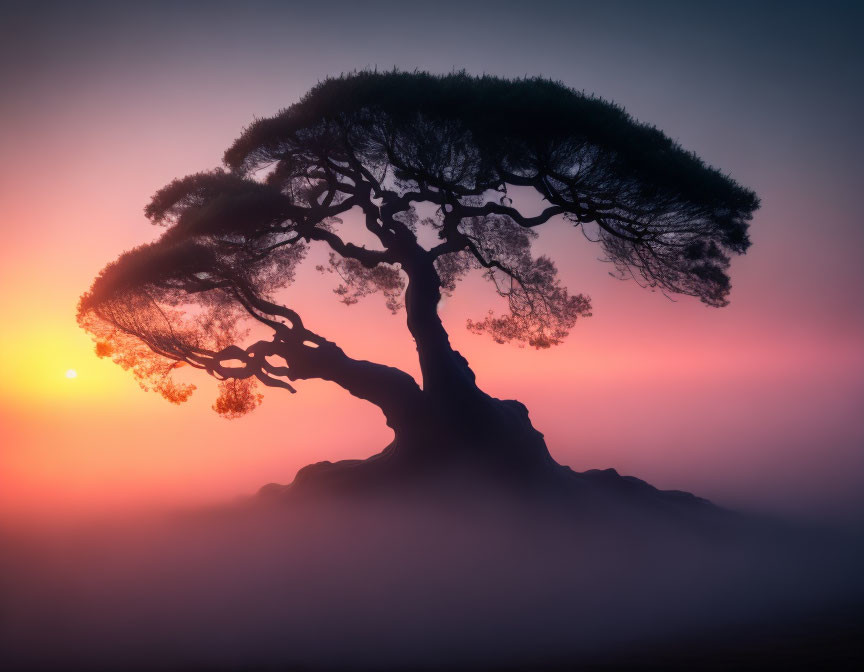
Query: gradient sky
{"type": "Point", "coordinates": [754, 405]}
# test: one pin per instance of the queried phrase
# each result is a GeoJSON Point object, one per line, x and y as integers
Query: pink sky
{"type": "Point", "coordinates": [757, 404]}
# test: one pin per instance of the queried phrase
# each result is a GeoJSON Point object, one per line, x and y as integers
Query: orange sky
{"type": "Point", "coordinates": [757, 404]}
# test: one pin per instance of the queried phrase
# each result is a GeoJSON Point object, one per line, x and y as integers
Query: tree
{"type": "Point", "coordinates": [409, 153]}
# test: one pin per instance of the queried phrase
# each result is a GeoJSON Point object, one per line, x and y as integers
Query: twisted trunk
{"type": "Point", "coordinates": [445, 371]}
{"type": "Point", "coordinates": [448, 425]}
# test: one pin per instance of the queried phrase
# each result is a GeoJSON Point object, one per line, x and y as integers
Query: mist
{"type": "Point", "coordinates": [478, 579]}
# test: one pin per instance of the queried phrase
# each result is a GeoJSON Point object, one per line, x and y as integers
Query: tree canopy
{"type": "Point", "coordinates": [396, 153]}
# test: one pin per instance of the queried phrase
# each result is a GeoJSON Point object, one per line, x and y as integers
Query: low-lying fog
{"type": "Point", "coordinates": [463, 581]}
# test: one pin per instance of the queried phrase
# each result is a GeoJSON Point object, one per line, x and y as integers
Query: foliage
{"type": "Point", "coordinates": [388, 146]}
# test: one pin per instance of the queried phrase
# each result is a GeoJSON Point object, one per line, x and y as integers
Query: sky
{"type": "Point", "coordinates": [756, 405]}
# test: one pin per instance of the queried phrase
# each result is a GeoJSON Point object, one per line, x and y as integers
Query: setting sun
{"type": "Point", "coordinates": [71, 373]}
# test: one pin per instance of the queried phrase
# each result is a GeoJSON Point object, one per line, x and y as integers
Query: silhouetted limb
{"type": "Point", "coordinates": [378, 151]}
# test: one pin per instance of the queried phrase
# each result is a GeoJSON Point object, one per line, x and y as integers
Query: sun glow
{"type": "Point", "coordinates": [71, 373]}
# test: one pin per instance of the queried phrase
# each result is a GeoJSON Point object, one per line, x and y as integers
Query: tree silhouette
{"type": "Point", "coordinates": [410, 154]}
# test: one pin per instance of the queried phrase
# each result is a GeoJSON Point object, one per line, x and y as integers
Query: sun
{"type": "Point", "coordinates": [71, 373]}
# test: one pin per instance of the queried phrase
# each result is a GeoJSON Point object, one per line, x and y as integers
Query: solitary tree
{"type": "Point", "coordinates": [411, 155]}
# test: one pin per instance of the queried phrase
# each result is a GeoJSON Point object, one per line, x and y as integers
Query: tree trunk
{"type": "Point", "coordinates": [448, 426]}
{"type": "Point", "coordinates": [446, 373]}
{"type": "Point", "coordinates": [497, 445]}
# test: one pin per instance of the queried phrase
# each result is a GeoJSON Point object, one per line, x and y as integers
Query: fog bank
{"type": "Point", "coordinates": [468, 581]}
